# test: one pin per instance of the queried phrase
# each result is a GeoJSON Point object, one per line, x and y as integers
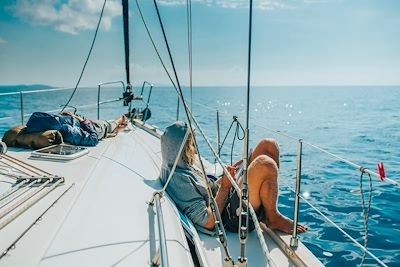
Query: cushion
{"type": "Point", "coordinates": [18, 137]}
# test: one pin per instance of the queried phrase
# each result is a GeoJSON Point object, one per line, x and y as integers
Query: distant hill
{"type": "Point", "coordinates": [12, 88]}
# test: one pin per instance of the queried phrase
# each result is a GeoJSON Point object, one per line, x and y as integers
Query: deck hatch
{"type": "Point", "coordinates": [60, 152]}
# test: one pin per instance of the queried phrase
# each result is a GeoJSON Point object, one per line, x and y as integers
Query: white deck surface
{"type": "Point", "coordinates": [103, 220]}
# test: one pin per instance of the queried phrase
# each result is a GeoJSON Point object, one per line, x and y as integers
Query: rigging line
{"type": "Point", "coordinates": [355, 242]}
{"type": "Point", "coordinates": [235, 187]}
{"type": "Point", "coordinates": [365, 212]}
{"type": "Point", "coordinates": [15, 166]}
{"type": "Point", "coordinates": [154, 45]}
{"type": "Point", "coordinates": [387, 180]}
{"type": "Point", "coordinates": [190, 50]}
{"type": "Point", "coordinates": [244, 207]}
{"type": "Point", "coordinates": [169, 53]}
{"type": "Point", "coordinates": [87, 58]}
{"type": "Point", "coordinates": [9, 199]}
{"type": "Point", "coordinates": [278, 132]}
{"type": "Point", "coordinates": [352, 164]}
{"type": "Point", "coordinates": [219, 228]}
{"type": "Point", "coordinates": [25, 165]}
{"type": "Point", "coordinates": [34, 223]}
{"type": "Point", "coordinates": [236, 136]}
{"type": "Point", "coordinates": [13, 189]}
{"type": "Point", "coordinates": [226, 135]}
{"type": "Point", "coordinates": [178, 156]}
{"type": "Point", "coordinates": [292, 138]}
{"type": "Point", "coordinates": [343, 232]}
{"type": "Point", "coordinates": [29, 203]}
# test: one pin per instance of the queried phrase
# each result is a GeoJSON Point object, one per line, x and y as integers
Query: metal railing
{"type": "Point", "coordinates": [148, 96]}
{"type": "Point", "coordinates": [98, 94]}
{"type": "Point", "coordinates": [22, 93]}
{"type": "Point", "coordinates": [23, 115]}
{"type": "Point", "coordinates": [301, 142]}
{"type": "Point", "coordinates": [162, 250]}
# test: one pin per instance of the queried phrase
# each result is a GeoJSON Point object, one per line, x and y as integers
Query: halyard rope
{"type": "Point", "coordinates": [87, 58]}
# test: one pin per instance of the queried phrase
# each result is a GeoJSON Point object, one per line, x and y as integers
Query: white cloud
{"type": "Point", "coordinates": [2, 41]}
{"type": "Point", "coordinates": [73, 16]}
{"type": "Point", "coordinates": [70, 17]}
{"type": "Point", "coordinates": [258, 4]}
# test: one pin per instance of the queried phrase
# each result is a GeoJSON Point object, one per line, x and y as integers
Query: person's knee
{"type": "Point", "coordinates": [269, 144]}
{"type": "Point", "coordinates": [267, 166]}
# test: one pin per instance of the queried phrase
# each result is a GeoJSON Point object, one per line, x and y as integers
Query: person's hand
{"type": "Point", "coordinates": [69, 113]}
{"type": "Point", "coordinates": [66, 113]}
{"type": "Point", "coordinates": [225, 182]}
{"type": "Point", "coordinates": [238, 163]}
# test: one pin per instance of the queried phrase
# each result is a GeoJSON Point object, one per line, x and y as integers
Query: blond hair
{"type": "Point", "coordinates": [189, 152]}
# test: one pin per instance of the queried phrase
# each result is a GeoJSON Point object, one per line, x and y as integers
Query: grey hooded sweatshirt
{"type": "Point", "coordinates": [186, 187]}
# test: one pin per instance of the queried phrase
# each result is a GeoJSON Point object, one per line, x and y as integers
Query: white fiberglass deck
{"type": "Point", "coordinates": [103, 219]}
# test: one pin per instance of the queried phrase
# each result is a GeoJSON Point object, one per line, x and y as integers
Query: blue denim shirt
{"type": "Point", "coordinates": [186, 187]}
{"type": "Point", "coordinates": [73, 132]}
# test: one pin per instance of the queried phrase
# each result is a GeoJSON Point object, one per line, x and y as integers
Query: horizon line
{"type": "Point", "coordinates": [244, 85]}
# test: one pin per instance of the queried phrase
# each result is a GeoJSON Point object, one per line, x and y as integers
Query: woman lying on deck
{"type": "Point", "coordinates": [188, 189]}
{"type": "Point", "coordinates": [74, 129]}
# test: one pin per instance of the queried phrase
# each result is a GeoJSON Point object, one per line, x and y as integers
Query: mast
{"type": "Point", "coordinates": [127, 95]}
{"type": "Point", "coordinates": [125, 14]}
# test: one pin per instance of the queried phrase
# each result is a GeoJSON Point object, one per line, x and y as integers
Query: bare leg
{"type": "Point", "coordinates": [121, 124]}
{"type": "Point", "coordinates": [263, 185]}
{"type": "Point", "coordinates": [268, 147]}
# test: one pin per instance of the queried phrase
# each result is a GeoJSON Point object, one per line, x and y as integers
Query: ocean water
{"type": "Point", "coordinates": [360, 124]}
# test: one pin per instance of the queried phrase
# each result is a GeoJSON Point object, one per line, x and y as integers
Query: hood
{"type": "Point", "coordinates": [42, 121]}
{"type": "Point", "coordinates": [171, 141]}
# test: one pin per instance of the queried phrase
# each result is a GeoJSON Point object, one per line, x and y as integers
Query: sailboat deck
{"type": "Point", "coordinates": [102, 217]}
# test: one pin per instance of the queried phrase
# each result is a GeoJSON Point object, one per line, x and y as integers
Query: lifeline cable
{"type": "Point", "coordinates": [87, 58]}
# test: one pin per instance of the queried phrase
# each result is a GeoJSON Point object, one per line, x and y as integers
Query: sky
{"type": "Point", "coordinates": [295, 42]}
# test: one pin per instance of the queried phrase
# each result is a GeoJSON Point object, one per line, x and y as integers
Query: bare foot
{"type": "Point", "coordinates": [122, 123]}
{"type": "Point", "coordinates": [283, 224]}
{"type": "Point", "coordinates": [121, 120]}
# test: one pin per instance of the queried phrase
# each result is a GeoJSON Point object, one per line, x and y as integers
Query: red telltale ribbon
{"type": "Point", "coordinates": [381, 171]}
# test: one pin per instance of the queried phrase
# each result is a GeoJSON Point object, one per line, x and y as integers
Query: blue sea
{"type": "Point", "coordinates": [360, 124]}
